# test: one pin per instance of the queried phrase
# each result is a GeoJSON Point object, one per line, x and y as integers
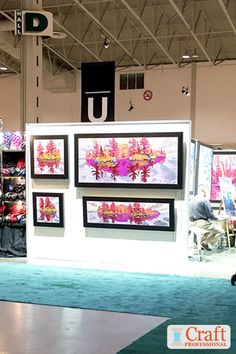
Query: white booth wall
{"type": "Point", "coordinates": [116, 248]}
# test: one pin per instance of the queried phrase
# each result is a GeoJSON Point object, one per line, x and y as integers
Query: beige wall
{"type": "Point", "coordinates": [10, 102]}
{"type": "Point", "coordinates": [215, 101]}
{"type": "Point", "coordinates": [216, 104]}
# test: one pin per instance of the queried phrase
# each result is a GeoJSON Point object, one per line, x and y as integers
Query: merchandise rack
{"type": "Point", "coordinates": [12, 195]}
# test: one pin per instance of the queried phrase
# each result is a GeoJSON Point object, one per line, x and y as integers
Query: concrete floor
{"type": "Point", "coordinates": [37, 329]}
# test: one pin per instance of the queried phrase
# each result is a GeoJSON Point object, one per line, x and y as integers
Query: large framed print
{"type": "Point", "coordinates": [49, 156]}
{"type": "Point", "coordinates": [204, 168]}
{"type": "Point", "coordinates": [129, 213]}
{"type": "Point", "coordinates": [132, 160]}
{"type": "Point", "coordinates": [224, 165]}
{"type": "Point", "coordinates": [48, 209]}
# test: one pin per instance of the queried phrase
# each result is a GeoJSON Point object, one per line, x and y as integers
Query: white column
{"type": "Point", "coordinates": [31, 71]}
{"type": "Point", "coordinates": [193, 96]}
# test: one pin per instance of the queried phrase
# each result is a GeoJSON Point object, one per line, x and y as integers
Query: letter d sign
{"type": "Point", "coordinates": [38, 23]}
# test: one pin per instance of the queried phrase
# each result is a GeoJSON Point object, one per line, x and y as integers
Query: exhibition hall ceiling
{"type": "Point", "coordinates": [142, 33]}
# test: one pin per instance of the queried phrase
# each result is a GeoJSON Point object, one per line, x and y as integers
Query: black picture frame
{"type": "Point", "coordinates": [86, 176]}
{"type": "Point", "coordinates": [50, 212]}
{"type": "Point", "coordinates": [46, 168]}
{"type": "Point", "coordinates": [129, 213]}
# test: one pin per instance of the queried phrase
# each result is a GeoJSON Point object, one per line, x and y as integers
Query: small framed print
{"type": "Point", "coordinates": [129, 213]}
{"type": "Point", "coordinates": [49, 156]}
{"type": "Point", "coordinates": [48, 209]}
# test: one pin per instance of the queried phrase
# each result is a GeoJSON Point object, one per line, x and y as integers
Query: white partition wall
{"type": "Point", "coordinates": [124, 248]}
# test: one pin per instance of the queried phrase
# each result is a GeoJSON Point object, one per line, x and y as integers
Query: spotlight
{"type": "Point", "coordinates": [131, 106]}
{"type": "Point", "coordinates": [185, 91]}
{"type": "Point", "coordinates": [106, 43]}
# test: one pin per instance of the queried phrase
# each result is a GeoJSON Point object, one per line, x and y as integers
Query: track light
{"type": "Point", "coordinates": [131, 106]}
{"type": "Point", "coordinates": [189, 55]}
{"type": "Point", "coordinates": [106, 43]}
{"type": "Point", "coordinates": [185, 91]}
{"type": "Point", "coordinates": [185, 56]}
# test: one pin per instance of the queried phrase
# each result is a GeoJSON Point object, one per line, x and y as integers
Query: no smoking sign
{"type": "Point", "coordinates": [147, 95]}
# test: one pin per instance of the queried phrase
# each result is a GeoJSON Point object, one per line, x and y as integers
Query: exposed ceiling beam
{"type": "Point", "coordinates": [61, 56]}
{"type": "Point", "coordinates": [136, 38]}
{"type": "Point", "coordinates": [224, 9]}
{"type": "Point", "coordinates": [148, 31]}
{"type": "Point", "coordinates": [76, 39]}
{"type": "Point", "coordinates": [190, 30]}
{"type": "Point", "coordinates": [101, 26]}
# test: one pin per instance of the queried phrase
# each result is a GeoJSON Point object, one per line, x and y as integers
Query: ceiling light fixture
{"type": "Point", "coordinates": [3, 68]}
{"type": "Point", "coordinates": [185, 56]}
{"type": "Point", "coordinates": [106, 43]}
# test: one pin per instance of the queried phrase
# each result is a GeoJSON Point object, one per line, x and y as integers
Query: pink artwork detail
{"type": "Point", "coordinates": [132, 213]}
{"type": "Point", "coordinates": [49, 157]}
{"type": "Point", "coordinates": [128, 159]}
{"type": "Point", "coordinates": [223, 166]}
{"type": "Point", "coordinates": [47, 209]}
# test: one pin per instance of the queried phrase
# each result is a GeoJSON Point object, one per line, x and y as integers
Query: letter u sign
{"type": "Point", "coordinates": [98, 92]}
{"type": "Point", "coordinates": [103, 115]}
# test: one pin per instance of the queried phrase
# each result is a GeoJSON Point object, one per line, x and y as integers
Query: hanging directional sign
{"type": "Point", "coordinates": [34, 23]}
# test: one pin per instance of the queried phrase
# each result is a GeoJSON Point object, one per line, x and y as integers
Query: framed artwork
{"type": "Point", "coordinates": [143, 160]}
{"type": "Point", "coordinates": [49, 156]}
{"type": "Point", "coordinates": [192, 168]}
{"type": "Point", "coordinates": [228, 195]}
{"type": "Point", "coordinates": [224, 165]}
{"type": "Point", "coordinates": [48, 209]}
{"type": "Point", "coordinates": [204, 167]}
{"type": "Point", "coordinates": [129, 213]}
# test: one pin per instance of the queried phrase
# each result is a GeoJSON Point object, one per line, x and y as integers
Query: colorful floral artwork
{"type": "Point", "coordinates": [151, 214]}
{"type": "Point", "coordinates": [48, 209]}
{"type": "Point", "coordinates": [204, 168]}
{"type": "Point", "coordinates": [49, 157]}
{"type": "Point", "coordinates": [136, 160]}
{"type": "Point", "coordinates": [224, 165]}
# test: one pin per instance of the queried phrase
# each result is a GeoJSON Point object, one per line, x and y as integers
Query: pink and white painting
{"type": "Point", "coordinates": [224, 165]}
{"type": "Point", "coordinates": [49, 157]}
{"type": "Point", "coordinates": [151, 214]}
{"type": "Point", "coordinates": [136, 160]}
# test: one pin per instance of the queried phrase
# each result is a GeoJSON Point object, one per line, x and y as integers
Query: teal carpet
{"type": "Point", "coordinates": [191, 299]}
{"type": "Point", "coordinates": [150, 294]}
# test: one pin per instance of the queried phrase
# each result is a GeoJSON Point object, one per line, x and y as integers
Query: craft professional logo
{"type": "Point", "coordinates": [198, 337]}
